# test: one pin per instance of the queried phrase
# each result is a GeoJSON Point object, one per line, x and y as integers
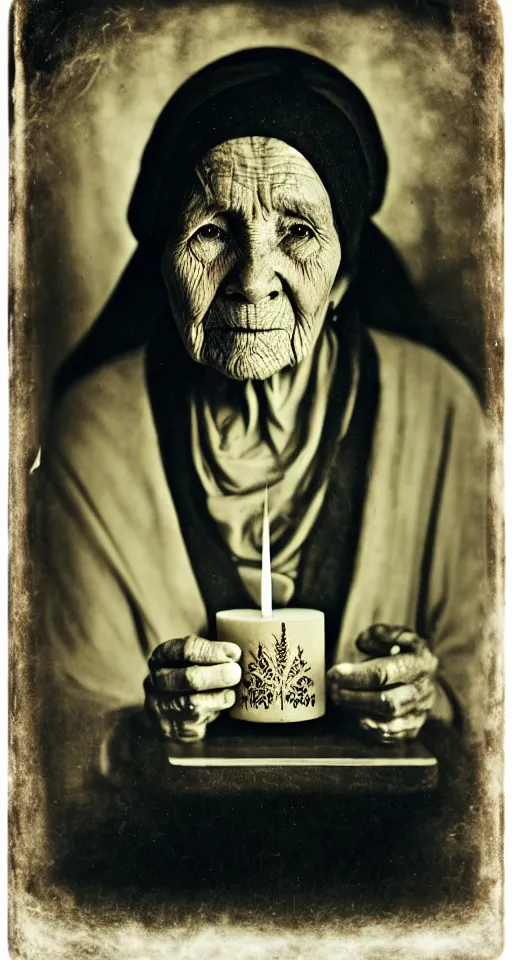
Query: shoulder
{"type": "Point", "coordinates": [107, 409]}
{"type": "Point", "coordinates": [107, 389]}
{"type": "Point", "coordinates": [424, 379]}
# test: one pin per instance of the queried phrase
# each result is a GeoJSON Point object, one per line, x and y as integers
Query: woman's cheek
{"type": "Point", "coordinates": [322, 270]}
{"type": "Point", "coordinates": [189, 290]}
{"type": "Point", "coordinates": [203, 281]}
{"type": "Point", "coordinates": [310, 287]}
{"type": "Point", "coordinates": [202, 287]}
{"type": "Point", "coordinates": [175, 276]}
{"type": "Point", "coordinates": [316, 275]}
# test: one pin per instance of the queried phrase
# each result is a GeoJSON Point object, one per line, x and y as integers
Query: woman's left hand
{"type": "Point", "coordinates": [392, 693]}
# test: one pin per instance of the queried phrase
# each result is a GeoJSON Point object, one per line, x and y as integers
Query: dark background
{"type": "Point", "coordinates": [97, 77]}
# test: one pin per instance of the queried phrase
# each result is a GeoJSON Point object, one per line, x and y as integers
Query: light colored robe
{"type": "Point", "coordinates": [120, 579]}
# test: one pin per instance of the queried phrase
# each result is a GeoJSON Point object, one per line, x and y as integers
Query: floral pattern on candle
{"type": "Point", "coordinates": [277, 675]}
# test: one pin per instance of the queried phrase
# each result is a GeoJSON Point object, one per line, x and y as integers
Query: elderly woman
{"type": "Point", "coordinates": [251, 211]}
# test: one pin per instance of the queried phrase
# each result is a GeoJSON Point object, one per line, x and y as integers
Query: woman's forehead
{"type": "Point", "coordinates": [248, 164]}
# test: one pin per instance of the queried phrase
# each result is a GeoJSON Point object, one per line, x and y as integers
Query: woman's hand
{"type": "Point", "coordinates": [190, 681]}
{"type": "Point", "coordinates": [392, 693]}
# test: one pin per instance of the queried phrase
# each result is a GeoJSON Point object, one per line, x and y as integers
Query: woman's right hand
{"type": "Point", "coordinates": [190, 681]}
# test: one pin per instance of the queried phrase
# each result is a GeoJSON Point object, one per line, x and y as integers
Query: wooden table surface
{"type": "Point", "coordinates": [309, 757]}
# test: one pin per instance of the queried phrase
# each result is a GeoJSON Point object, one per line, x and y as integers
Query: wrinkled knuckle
{"type": "Point", "coordinates": [191, 646]}
{"type": "Point", "coordinates": [194, 701]}
{"type": "Point", "coordinates": [172, 647]}
{"type": "Point", "coordinates": [394, 707]}
{"type": "Point", "coordinates": [191, 678]}
{"type": "Point", "coordinates": [381, 675]}
{"type": "Point", "coordinates": [158, 680]}
{"type": "Point", "coordinates": [162, 654]}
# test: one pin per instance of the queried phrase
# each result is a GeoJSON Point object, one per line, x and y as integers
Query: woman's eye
{"type": "Point", "coordinates": [210, 232]}
{"type": "Point", "coordinates": [300, 231]}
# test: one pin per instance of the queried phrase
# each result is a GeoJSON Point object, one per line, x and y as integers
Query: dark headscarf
{"type": "Point", "coordinates": [273, 92]}
{"type": "Point", "coordinates": [283, 94]}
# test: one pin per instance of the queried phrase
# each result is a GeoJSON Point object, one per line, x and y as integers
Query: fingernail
{"type": "Point", "coordinates": [234, 654]}
{"type": "Point", "coordinates": [232, 674]}
{"type": "Point", "coordinates": [345, 668]}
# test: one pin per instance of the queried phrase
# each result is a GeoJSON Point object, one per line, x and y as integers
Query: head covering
{"type": "Point", "coordinates": [138, 309]}
{"type": "Point", "coordinates": [269, 92]}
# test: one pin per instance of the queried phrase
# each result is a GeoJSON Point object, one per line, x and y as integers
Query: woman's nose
{"type": "Point", "coordinates": [254, 279]}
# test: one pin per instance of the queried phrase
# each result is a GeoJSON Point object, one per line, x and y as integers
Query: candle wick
{"type": "Point", "coordinates": [266, 569]}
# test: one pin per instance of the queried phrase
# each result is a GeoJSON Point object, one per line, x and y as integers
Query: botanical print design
{"type": "Point", "coordinates": [277, 675]}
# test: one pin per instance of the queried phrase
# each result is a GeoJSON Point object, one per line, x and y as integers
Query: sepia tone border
{"type": "Point", "coordinates": [38, 917]}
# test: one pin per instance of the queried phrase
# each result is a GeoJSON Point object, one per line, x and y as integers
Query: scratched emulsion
{"type": "Point", "coordinates": [79, 133]}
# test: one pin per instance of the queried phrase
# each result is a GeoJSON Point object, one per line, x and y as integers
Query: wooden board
{"type": "Point", "coordinates": [318, 757]}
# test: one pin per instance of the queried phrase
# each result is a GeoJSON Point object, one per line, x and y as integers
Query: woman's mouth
{"type": "Point", "coordinates": [245, 330]}
{"type": "Point", "coordinates": [268, 316]}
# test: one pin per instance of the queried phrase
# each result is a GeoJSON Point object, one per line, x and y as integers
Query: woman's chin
{"type": "Point", "coordinates": [255, 358]}
{"type": "Point", "coordinates": [240, 368]}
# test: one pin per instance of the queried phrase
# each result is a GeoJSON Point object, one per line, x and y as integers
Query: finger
{"type": "Point", "coordinates": [392, 702]}
{"type": "Point", "coordinates": [183, 731]}
{"type": "Point", "coordinates": [426, 703]}
{"type": "Point", "coordinates": [361, 701]}
{"type": "Point", "coordinates": [379, 640]}
{"type": "Point", "coordinates": [195, 678]}
{"type": "Point", "coordinates": [401, 728]}
{"type": "Point", "coordinates": [158, 707]}
{"type": "Point", "coordinates": [187, 733]}
{"type": "Point", "coordinates": [406, 699]}
{"type": "Point", "coordinates": [383, 671]}
{"type": "Point", "coordinates": [193, 649]}
{"type": "Point", "coordinates": [194, 705]}
{"type": "Point", "coordinates": [177, 717]}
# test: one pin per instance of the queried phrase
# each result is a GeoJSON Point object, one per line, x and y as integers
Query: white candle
{"type": "Point", "coordinates": [283, 654]}
{"type": "Point", "coordinates": [266, 567]}
{"type": "Point", "coordinates": [283, 663]}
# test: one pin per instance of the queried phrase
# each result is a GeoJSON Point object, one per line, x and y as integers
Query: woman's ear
{"type": "Point", "coordinates": [340, 286]}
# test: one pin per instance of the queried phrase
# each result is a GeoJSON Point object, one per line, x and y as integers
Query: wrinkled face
{"type": "Point", "coordinates": [252, 262]}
